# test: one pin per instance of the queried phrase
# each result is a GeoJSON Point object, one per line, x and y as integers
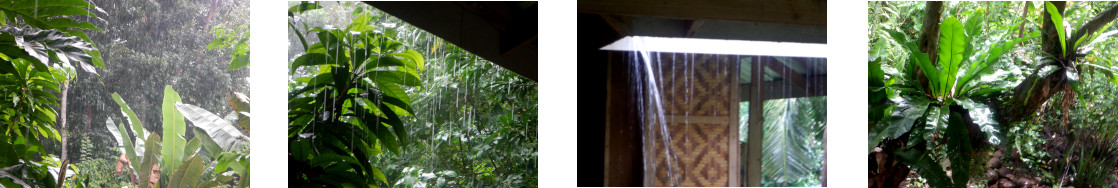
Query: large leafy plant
{"type": "Point", "coordinates": [934, 103]}
{"type": "Point", "coordinates": [173, 161]}
{"type": "Point", "coordinates": [39, 47]}
{"type": "Point", "coordinates": [346, 102]}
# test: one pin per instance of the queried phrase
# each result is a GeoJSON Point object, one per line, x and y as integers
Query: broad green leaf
{"type": "Point", "coordinates": [934, 123]}
{"type": "Point", "coordinates": [360, 24]}
{"type": "Point", "coordinates": [302, 40]}
{"type": "Point", "coordinates": [151, 160]}
{"type": "Point", "coordinates": [904, 116]}
{"type": "Point", "coordinates": [189, 174]}
{"type": "Point", "coordinates": [129, 149]}
{"type": "Point", "coordinates": [114, 131]}
{"type": "Point", "coordinates": [224, 133]}
{"type": "Point", "coordinates": [952, 44]}
{"type": "Point", "coordinates": [926, 166]}
{"type": "Point", "coordinates": [134, 121]}
{"type": "Point", "coordinates": [1058, 22]}
{"type": "Point", "coordinates": [239, 61]}
{"type": "Point", "coordinates": [959, 149]}
{"type": "Point", "coordinates": [983, 116]}
{"type": "Point", "coordinates": [192, 146]}
{"type": "Point", "coordinates": [394, 77]}
{"type": "Point", "coordinates": [211, 148]}
{"type": "Point", "coordinates": [379, 175]}
{"type": "Point", "coordinates": [930, 70]}
{"type": "Point", "coordinates": [309, 60]}
{"type": "Point", "coordinates": [174, 131]}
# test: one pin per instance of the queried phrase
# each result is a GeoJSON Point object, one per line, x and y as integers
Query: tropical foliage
{"type": "Point", "coordinates": [48, 64]}
{"type": "Point", "coordinates": [217, 147]}
{"type": "Point", "coordinates": [39, 48]}
{"type": "Point", "coordinates": [793, 144]}
{"type": "Point", "coordinates": [382, 103]}
{"type": "Point", "coordinates": [940, 103]}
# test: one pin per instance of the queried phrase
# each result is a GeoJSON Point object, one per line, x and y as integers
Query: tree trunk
{"type": "Point", "coordinates": [62, 130]}
{"type": "Point", "coordinates": [885, 170]}
{"type": "Point", "coordinates": [928, 41]}
{"type": "Point", "coordinates": [929, 35]}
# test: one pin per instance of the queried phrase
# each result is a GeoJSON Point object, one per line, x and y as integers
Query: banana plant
{"type": "Point", "coordinates": [936, 111]}
{"type": "Point", "coordinates": [183, 162]}
{"type": "Point", "coordinates": [348, 106]}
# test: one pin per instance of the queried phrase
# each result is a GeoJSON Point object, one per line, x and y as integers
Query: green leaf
{"type": "Point", "coordinates": [396, 77]}
{"type": "Point", "coordinates": [239, 61]}
{"type": "Point", "coordinates": [192, 146]}
{"type": "Point", "coordinates": [926, 166]}
{"type": "Point", "coordinates": [959, 149]}
{"type": "Point", "coordinates": [360, 24]}
{"type": "Point", "coordinates": [222, 132]}
{"type": "Point", "coordinates": [302, 40]}
{"type": "Point", "coordinates": [309, 60]}
{"type": "Point", "coordinates": [111, 126]}
{"type": "Point", "coordinates": [208, 145]}
{"type": "Point", "coordinates": [189, 175]}
{"type": "Point", "coordinates": [904, 116]}
{"type": "Point", "coordinates": [379, 175]}
{"type": "Point", "coordinates": [930, 70]}
{"type": "Point", "coordinates": [128, 113]}
{"type": "Point", "coordinates": [1058, 22]}
{"type": "Point", "coordinates": [174, 130]}
{"type": "Point", "coordinates": [150, 160]}
{"type": "Point", "coordinates": [129, 149]}
{"type": "Point", "coordinates": [952, 43]}
{"type": "Point", "coordinates": [302, 7]}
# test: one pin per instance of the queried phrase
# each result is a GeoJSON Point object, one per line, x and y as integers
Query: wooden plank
{"type": "Point", "coordinates": [798, 12]}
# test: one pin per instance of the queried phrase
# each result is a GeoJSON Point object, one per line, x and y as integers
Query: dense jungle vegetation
{"type": "Point", "coordinates": [375, 102]}
{"type": "Point", "coordinates": [114, 93]}
{"type": "Point", "coordinates": [994, 94]}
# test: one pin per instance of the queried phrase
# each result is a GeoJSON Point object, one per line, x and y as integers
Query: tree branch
{"type": "Point", "coordinates": [1095, 24]}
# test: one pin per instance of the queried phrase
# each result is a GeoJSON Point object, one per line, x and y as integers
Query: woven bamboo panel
{"type": "Point", "coordinates": [693, 86]}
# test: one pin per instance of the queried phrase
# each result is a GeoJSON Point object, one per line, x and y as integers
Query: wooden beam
{"type": "Point", "coordinates": [813, 90]}
{"type": "Point", "coordinates": [621, 24]}
{"type": "Point", "coordinates": [692, 27]}
{"type": "Point", "coordinates": [697, 119]}
{"type": "Point", "coordinates": [788, 74]}
{"type": "Point", "coordinates": [756, 124]}
{"type": "Point", "coordinates": [798, 12]}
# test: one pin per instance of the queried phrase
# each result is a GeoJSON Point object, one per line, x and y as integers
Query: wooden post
{"type": "Point", "coordinates": [735, 168]}
{"type": "Point", "coordinates": [756, 124]}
